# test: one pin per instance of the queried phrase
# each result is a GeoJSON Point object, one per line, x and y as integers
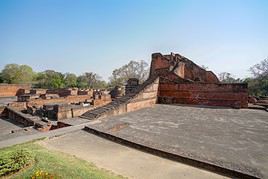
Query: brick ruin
{"type": "Point", "coordinates": [173, 79]}
{"type": "Point", "coordinates": [184, 82]}
{"type": "Point", "coordinates": [40, 107]}
{"type": "Point", "coordinates": [7, 90]}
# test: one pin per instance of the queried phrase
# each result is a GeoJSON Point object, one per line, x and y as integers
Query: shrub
{"type": "Point", "coordinates": [40, 174]}
{"type": "Point", "coordinates": [13, 161]}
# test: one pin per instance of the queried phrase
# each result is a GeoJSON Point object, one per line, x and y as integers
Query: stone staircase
{"type": "Point", "coordinates": [118, 105]}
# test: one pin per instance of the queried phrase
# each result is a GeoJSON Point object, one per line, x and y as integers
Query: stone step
{"type": "Point", "coordinates": [98, 112]}
{"type": "Point", "coordinates": [89, 116]}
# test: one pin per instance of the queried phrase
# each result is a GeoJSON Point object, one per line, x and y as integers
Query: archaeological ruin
{"type": "Point", "coordinates": [173, 79]}
{"type": "Point", "coordinates": [179, 106]}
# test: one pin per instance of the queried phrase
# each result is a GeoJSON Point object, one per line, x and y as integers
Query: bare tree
{"type": "Point", "coordinates": [133, 69]}
{"type": "Point", "coordinates": [260, 69]}
{"type": "Point", "coordinates": [226, 77]}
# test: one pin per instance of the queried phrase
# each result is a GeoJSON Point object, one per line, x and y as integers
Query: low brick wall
{"type": "Point", "coordinates": [101, 102]}
{"type": "Point", "coordinates": [12, 89]}
{"type": "Point", "coordinates": [145, 98]}
{"type": "Point", "coordinates": [229, 95]}
{"type": "Point", "coordinates": [65, 112]}
{"type": "Point", "coordinates": [62, 92]}
{"type": "Point", "coordinates": [27, 119]}
{"type": "Point", "coordinates": [68, 99]}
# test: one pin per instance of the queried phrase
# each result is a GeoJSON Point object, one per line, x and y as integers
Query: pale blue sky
{"type": "Point", "coordinates": [83, 35]}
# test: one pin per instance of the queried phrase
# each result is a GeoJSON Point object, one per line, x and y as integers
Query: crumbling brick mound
{"type": "Point", "coordinates": [182, 67]}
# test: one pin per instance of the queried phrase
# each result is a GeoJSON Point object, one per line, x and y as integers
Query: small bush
{"type": "Point", "coordinates": [13, 161]}
{"type": "Point", "coordinates": [40, 174]}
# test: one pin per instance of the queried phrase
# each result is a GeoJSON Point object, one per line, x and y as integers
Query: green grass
{"type": "Point", "coordinates": [58, 164]}
{"type": "Point", "coordinates": [12, 161]}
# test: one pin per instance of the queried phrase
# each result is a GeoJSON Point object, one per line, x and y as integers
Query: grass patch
{"type": "Point", "coordinates": [12, 161]}
{"type": "Point", "coordinates": [49, 163]}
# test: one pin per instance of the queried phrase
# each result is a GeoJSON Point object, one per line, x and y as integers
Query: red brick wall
{"type": "Point", "coordinates": [230, 95]}
{"type": "Point", "coordinates": [69, 111]}
{"type": "Point", "coordinates": [62, 92]}
{"type": "Point", "coordinates": [68, 99]}
{"type": "Point", "coordinates": [145, 98]}
{"type": "Point", "coordinates": [12, 89]}
{"type": "Point", "coordinates": [194, 72]}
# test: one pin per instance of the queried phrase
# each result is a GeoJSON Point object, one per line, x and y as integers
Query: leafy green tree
{"type": "Point", "coordinates": [14, 73]}
{"type": "Point", "coordinates": [82, 81]}
{"type": "Point", "coordinates": [50, 79]}
{"type": "Point", "coordinates": [257, 86]}
{"type": "Point", "coordinates": [70, 80]}
{"type": "Point", "coordinates": [133, 69]}
{"type": "Point", "coordinates": [100, 84]}
{"type": "Point", "coordinates": [1, 78]}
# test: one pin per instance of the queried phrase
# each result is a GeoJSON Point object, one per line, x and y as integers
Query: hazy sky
{"type": "Point", "coordinates": [83, 35]}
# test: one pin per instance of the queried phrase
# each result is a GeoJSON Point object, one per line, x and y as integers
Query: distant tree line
{"type": "Point", "coordinates": [257, 85]}
{"type": "Point", "coordinates": [14, 73]}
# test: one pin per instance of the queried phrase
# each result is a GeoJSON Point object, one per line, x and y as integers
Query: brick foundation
{"type": "Point", "coordinates": [13, 89]}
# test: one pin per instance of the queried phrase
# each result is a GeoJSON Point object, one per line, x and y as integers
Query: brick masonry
{"type": "Point", "coordinates": [184, 82]}
{"type": "Point", "coordinates": [13, 89]}
{"type": "Point", "coordinates": [68, 99]}
{"type": "Point", "coordinates": [175, 79]}
{"type": "Point", "coordinates": [182, 67]}
{"type": "Point", "coordinates": [143, 96]}
{"type": "Point", "coordinates": [229, 95]}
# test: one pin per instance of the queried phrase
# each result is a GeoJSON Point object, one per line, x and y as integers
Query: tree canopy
{"type": "Point", "coordinates": [70, 80]}
{"type": "Point", "coordinates": [258, 85]}
{"type": "Point", "coordinates": [90, 80]}
{"type": "Point", "coordinates": [260, 69]}
{"type": "Point", "coordinates": [134, 69]}
{"type": "Point", "coordinates": [50, 79]}
{"type": "Point", "coordinates": [14, 73]}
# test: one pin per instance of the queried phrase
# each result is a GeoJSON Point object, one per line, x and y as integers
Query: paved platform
{"type": "Point", "coordinates": [230, 138]}
{"type": "Point", "coordinates": [6, 126]}
{"type": "Point", "coordinates": [74, 121]}
{"type": "Point", "coordinates": [123, 160]}
{"type": "Point", "coordinates": [6, 100]}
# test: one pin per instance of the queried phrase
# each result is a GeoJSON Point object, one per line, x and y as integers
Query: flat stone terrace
{"type": "Point", "coordinates": [7, 125]}
{"type": "Point", "coordinates": [230, 138]}
{"type": "Point", "coordinates": [6, 100]}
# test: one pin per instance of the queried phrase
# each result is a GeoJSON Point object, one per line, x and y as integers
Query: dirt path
{"type": "Point", "coordinates": [122, 160]}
